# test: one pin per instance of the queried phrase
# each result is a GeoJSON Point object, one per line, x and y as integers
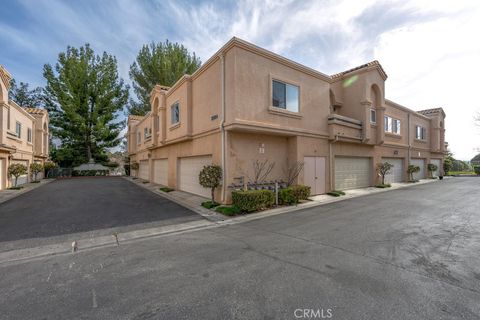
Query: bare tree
{"type": "Point", "coordinates": [261, 170]}
{"type": "Point", "coordinates": [292, 171]}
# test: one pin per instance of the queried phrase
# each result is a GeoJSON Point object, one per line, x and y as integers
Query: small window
{"type": "Point", "coordinates": [392, 125]}
{"type": "Point", "coordinates": [175, 113]}
{"type": "Point", "coordinates": [29, 135]}
{"type": "Point", "coordinates": [420, 133]}
{"type": "Point", "coordinates": [285, 96]}
{"type": "Point", "coordinates": [8, 118]}
{"type": "Point", "coordinates": [156, 123]}
{"type": "Point", "coordinates": [18, 130]}
{"type": "Point", "coordinates": [139, 138]}
{"type": "Point", "coordinates": [373, 116]}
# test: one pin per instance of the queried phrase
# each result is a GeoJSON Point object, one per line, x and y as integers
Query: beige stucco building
{"type": "Point", "coordinates": [246, 103]}
{"type": "Point", "coordinates": [23, 134]}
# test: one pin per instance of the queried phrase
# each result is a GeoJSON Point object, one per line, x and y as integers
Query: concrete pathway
{"type": "Point", "coordinates": [7, 194]}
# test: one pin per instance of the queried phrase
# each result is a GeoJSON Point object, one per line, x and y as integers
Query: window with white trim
{"type": "Point", "coordinates": [392, 125]}
{"type": "Point", "coordinates": [285, 96]}
{"type": "Point", "coordinates": [175, 113]}
{"type": "Point", "coordinates": [420, 133]}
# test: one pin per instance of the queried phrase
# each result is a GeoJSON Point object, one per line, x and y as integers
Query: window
{"type": "Point", "coordinates": [175, 113]}
{"type": "Point", "coordinates": [139, 138]}
{"type": "Point", "coordinates": [8, 118]}
{"type": "Point", "coordinates": [373, 116]}
{"type": "Point", "coordinates": [18, 129]}
{"type": "Point", "coordinates": [285, 96]}
{"type": "Point", "coordinates": [420, 133]}
{"type": "Point", "coordinates": [29, 135]}
{"type": "Point", "coordinates": [392, 125]}
{"type": "Point", "coordinates": [156, 123]}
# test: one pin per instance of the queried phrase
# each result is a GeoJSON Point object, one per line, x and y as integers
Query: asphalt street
{"type": "Point", "coordinates": [412, 253]}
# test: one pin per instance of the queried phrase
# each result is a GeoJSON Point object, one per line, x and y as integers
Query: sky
{"type": "Point", "coordinates": [430, 50]}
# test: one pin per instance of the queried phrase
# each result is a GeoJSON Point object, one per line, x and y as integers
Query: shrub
{"type": "Point", "coordinates": [301, 192]}
{"type": "Point", "coordinates": [89, 173]}
{"type": "Point", "coordinates": [253, 200]}
{"type": "Point", "coordinates": [293, 194]}
{"type": "Point", "coordinates": [48, 166]}
{"type": "Point", "coordinates": [228, 210]}
{"type": "Point", "coordinates": [384, 185]}
{"type": "Point", "coordinates": [384, 169]}
{"type": "Point", "coordinates": [476, 169]}
{"type": "Point", "coordinates": [336, 193]}
{"type": "Point", "coordinates": [286, 196]}
{"type": "Point", "coordinates": [16, 170]}
{"type": "Point", "coordinates": [210, 204]}
{"type": "Point", "coordinates": [35, 169]}
{"type": "Point", "coordinates": [166, 189]}
{"type": "Point", "coordinates": [135, 166]}
{"type": "Point", "coordinates": [210, 177]}
{"type": "Point", "coordinates": [411, 170]}
{"type": "Point", "coordinates": [432, 168]}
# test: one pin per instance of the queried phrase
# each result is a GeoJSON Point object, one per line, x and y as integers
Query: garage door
{"type": "Point", "coordinates": [352, 172]}
{"type": "Point", "coordinates": [23, 178]}
{"type": "Point", "coordinates": [160, 171]}
{"type": "Point", "coordinates": [436, 162]}
{"type": "Point", "coordinates": [188, 171]}
{"type": "Point", "coordinates": [397, 172]}
{"type": "Point", "coordinates": [143, 170]}
{"type": "Point", "coordinates": [421, 164]}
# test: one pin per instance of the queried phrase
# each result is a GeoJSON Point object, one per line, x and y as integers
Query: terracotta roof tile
{"type": "Point", "coordinates": [35, 110]}
{"type": "Point", "coordinates": [430, 111]}
{"type": "Point", "coordinates": [373, 63]}
{"type": "Point", "coordinates": [134, 117]}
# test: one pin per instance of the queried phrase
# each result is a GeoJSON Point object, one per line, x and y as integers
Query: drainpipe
{"type": "Point", "coordinates": [330, 171]}
{"type": "Point", "coordinates": [409, 143]}
{"type": "Point", "coordinates": [222, 128]}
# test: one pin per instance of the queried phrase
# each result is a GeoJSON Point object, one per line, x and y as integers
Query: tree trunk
{"type": "Point", "coordinates": [16, 178]}
{"type": "Point", "coordinates": [89, 152]}
{"type": "Point", "coordinates": [383, 179]}
{"type": "Point", "coordinates": [213, 195]}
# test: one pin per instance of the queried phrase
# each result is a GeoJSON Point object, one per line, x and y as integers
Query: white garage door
{"type": "Point", "coordinates": [21, 179]}
{"type": "Point", "coordinates": [143, 170]}
{"type": "Point", "coordinates": [188, 171]}
{"type": "Point", "coordinates": [421, 164]}
{"type": "Point", "coordinates": [352, 172]}
{"type": "Point", "coordinates": [436, 162]}
{"type": "Point", "coordinates": [396, 173]}
{"type": "Point", "coordinates": [160, 171]}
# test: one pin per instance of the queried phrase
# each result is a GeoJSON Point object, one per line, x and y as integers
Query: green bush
{"type": "Point", "coordinates": [210, 204]}
{"type": "Point", "coordinates": [385, 185]}
{"type": "Point", "coordinates": [228, 210]}
{"type": "Point", "coordinates": [336, 193]}
{"type": "Point", "coordinates": [286, 196]}
{"type": "Point", "coordinates": [476, 169]}
{"type": "Point", "coordinates": [166, 189]}
{"type": "Point", "coordinates": [253, 200]}
{"type": "Point", "coordinates": [301, 192]}
{"type": "Point", "coordinates": [89, 173]}
{"type": "Point", "coordinates": [210, 177]}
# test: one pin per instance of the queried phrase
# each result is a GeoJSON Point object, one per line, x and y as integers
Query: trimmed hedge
{"type": "Point", "coordinates": [301, 192]}
{"type": "Point", "coordinates": [293, 194]}
{"type": "Point", "coordinates": [476, 169]}
{"type": "Point", "coordinates": [253, 200]}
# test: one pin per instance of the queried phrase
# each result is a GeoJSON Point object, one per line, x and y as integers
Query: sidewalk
{"type": "Point", "coordinates": [193, 202]}
{"type": "Point", "coordinates": [6, 195]}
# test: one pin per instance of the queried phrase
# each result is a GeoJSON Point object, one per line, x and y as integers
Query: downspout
{"type": "Point", "coordinates": [330, 162]}
{"type": "Point", "coordinates": [222, 128]}
{"type": "Point", "coordinates": [409, 143]}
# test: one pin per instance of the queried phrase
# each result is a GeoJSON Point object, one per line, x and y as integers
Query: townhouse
{"type": "Point", "coordinates": [23, 134]}
{"type": "Point", "coordinates": [246, 103]}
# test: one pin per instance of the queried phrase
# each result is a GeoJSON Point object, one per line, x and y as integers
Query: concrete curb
{"type": "Point", "coordinates": [28, 188]}
{"type": "Point", "coordinates": [99, 242]}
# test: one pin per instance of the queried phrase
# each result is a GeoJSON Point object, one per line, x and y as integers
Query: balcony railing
{"type": "Point", "coordinates": [344, 128]}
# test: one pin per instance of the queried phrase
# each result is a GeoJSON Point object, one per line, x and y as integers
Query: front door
{"type": "Point", "coordinates": [314, 174]}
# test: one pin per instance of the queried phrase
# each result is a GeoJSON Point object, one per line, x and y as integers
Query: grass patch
{"type": "Point", "coordinates": [166, 189]}
{"type": "Point", "coordinates": [228, 210]}
{"type": "Point", "coordinates": [336, 193]}
{"type": "Point", "coordinates": [456, 173]}
{"type": "Point", "coordinates": [15, 188]}
{"type": "Point", "coordinates": [134, 178]}
{"type": "Point", "coordinates": [210, 204]}
{"type": "Point", "coordinates": [412, 181]}
{"type": "Point", "coordinates": [37, 181]}
{"type": "Point", "coordinates": [386, 185]}
{"type": "Point", "coordinates": [145, 182]}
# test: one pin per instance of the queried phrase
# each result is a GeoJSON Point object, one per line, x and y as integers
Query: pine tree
{"type": "Point", "coordinates": [158, 63]}
{"type": "Point", "coordinates": [84, 95]}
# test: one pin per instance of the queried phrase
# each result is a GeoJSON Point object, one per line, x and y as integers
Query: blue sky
{"type": "Point", "coordinates": [429, 49]}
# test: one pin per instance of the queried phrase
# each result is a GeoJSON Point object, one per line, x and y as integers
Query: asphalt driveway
{"type": "Point", "coordinates": [411, 253]}
{"type": "Point", "coordinates": [83, 207]}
